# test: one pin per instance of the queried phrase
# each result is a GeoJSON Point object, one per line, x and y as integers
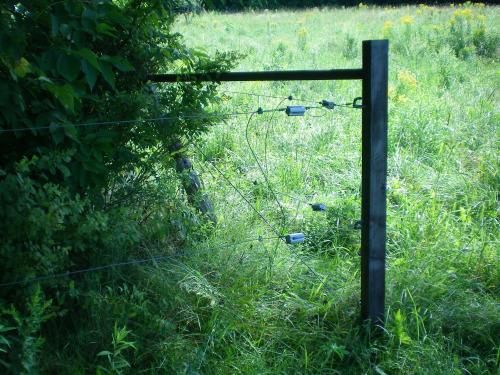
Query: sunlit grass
{"type": "Point", "coordinates": [443, 275]}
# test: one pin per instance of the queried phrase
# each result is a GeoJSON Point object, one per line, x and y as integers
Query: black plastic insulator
{"type": "Point", "coordinates": [318, 207]}
{"type": "Point", "coordinates": [328, 104]}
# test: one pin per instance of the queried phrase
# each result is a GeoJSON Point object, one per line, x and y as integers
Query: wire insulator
{"type": "Point", "coordinates": [295, 110]}
{"type": "Point", "coordinates": [328, 104]}
{"type": "Point", "coordinates": [294, 238]}
{"type": "Point", "coordinates": [318, 207]}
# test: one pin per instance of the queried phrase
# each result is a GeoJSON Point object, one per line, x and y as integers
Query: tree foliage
{"type": "Point", "coordinates": [72, 194]}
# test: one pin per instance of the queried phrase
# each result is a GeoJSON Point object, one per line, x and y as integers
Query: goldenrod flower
{"type": "Point", "coordinates": [302, 33]}
{"type": "Point", "coordinates": [406, 20]}
{"type": "Point", "coordinates": [387, 28]}
{"type": "Point", "coordinates": [391, 91]}
{"type": "Point", "coordinates": [407, 79]}
{"type": "Point", "coordinates": [466, 13]}
{"type": "Point", "coordinates": [402, 99]}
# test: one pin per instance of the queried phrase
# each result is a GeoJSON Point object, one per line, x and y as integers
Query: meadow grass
{"type": "Point", "coordinates": [265, 308]}
{"type": "Point", "coordinates": [265, 311]}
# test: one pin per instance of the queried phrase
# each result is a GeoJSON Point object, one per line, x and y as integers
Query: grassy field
{"type": "Point", "coordinates": [265, 308]}
{"type": "Point", "coordinates": [225, 305]}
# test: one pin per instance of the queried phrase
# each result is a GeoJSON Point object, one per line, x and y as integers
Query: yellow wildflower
{"type": "Point", "coordinates": [302, 36]}
{"type": "Point", "coordinates": [406, 20]}
{"type": "Point", "coordinates": [402, 99]}
{"type": "Point", "coordinates": [479, 5]}
{"type": "Point", "coordinates": [407, 79]}
{"type": "Point", "coordinates": [362, 6]}
{"type": "Point", "coordinates": [22, 67]}
{"type": "Point", "coordinates": [302, 33]}
{"type": "Point", "coordinates": [466, 13]}
{"type": "Point", "coordinates": [387, 28]}
{"type": "Point", "coordinates": [391, 91]}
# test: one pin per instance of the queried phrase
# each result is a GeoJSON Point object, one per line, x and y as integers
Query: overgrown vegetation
{"type": "Point", "coordinates": [224, 5]}
{"type": "Point", "coordinates": [77, 197]}
{"type": "Point", "coordinates": [272, 315]}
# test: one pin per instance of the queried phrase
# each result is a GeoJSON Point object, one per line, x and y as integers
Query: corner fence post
{"type": "Point", "coordinates": [374, 180]}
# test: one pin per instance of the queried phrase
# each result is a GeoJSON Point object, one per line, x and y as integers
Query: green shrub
{"type": "Point", "coordinates": [73, 196]}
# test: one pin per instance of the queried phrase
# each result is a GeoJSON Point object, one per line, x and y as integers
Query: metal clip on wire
{"type": "Point", "coordinates": [355, 102]}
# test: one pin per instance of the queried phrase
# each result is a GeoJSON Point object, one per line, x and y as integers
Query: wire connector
{"type": "Point", "coordinates": [294, 238]}
{"type": "Point", "coordinates": [295, 110]}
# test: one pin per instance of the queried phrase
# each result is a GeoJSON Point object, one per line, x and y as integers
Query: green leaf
{"type": "Point", "coordinates": [68, 66]}
{"type": "Point", "coordinates": [4, 93]}
{"type": "Point", "coordinates": [71, 132]}
{"type": "Point", "coordinates": [119, 62]}
{"type": "Point", "coordinates": [64, 170]}
{"type": "Point", "coordinates": [107, 73]}
{"type": "Point", "coordinates": [22, 67]}
{"type": "Point", "coordinates": [54, 25]}
{"type": "Point", "coordinates": [106, 29]}
{"type": "Point", "coordinates": [89, 14]}
{"type": "Point", "coordinates": [89, 56]}
{"type": "Point", "coordinates": [90, 74]}
{"type": "Point", "coordinates": [57, 134]}
{"type": "Point", "coordinates": [65, 94]}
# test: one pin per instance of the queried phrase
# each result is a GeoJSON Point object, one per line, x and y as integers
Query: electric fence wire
{"type": "Point", "coordinates": [128, 122]}
{"type": "Point", "coordinates": [264, 174]}
{"type": "Point", "coordinates": [247, 201]}
{"type": "Point", "coordinates": [324, 103]}
{"type": "Point", "coordinates": [130, 262]}
{"type": "Point", "coordinates": [163, 119]}
{"type": "Point", "coordinates": [290, 97]}
{"type": "Point", "coordinates": [228, 180]}
{"type": "Point", "coordinates": [268, 128]}
{"type": "Point", "coordinates": [157, 258]}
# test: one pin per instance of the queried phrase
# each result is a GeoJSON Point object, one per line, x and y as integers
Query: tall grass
{"type": "Point", "coordinates": [265, 308]}
{"type": "Point", "coordinates": [443, 274]}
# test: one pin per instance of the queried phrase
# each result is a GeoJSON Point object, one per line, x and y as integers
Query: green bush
{"type": "Point", "coordinates": [73, 196]}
